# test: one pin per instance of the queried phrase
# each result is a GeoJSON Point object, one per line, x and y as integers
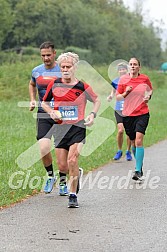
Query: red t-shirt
{"type": "Point", "coordinates": [133, 102]}
{"type": "Point", "coordinates": [69, 99]}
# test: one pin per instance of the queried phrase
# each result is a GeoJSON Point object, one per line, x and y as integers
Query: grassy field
{"type": "Point", "coordinates": [21, 171]}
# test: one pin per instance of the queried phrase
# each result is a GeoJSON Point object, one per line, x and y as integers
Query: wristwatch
{"type": "Point", "coordinates": [93, 114]}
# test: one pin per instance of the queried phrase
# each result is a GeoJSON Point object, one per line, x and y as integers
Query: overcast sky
{"type": "Point", "coordinates": [153, 10]}
{"type": "Point", "coordinates": [157, 9]}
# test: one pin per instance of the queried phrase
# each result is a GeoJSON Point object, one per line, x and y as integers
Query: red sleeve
{"type": "Point", "coordinates": [149, 85]}
{"type": "Point", "coordinates": [121, 85]}
{"type": "Point", "coordinates": [90, 94]}
{"type": "Point", "coordinates": [49, 94]}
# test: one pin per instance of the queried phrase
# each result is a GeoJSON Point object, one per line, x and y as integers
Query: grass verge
{"type": "Point", "coordinates": [21, 171]}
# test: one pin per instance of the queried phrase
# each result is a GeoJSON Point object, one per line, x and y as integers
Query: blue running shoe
{"type": "Point", "coordinates": [49, 184]}
{"type": "Point", "coordinates": [79, 178]}
{"type": "Point", "coordinates": [128, 156]}
{"type": "Point", "coordinates": [63, 191]}
{"type": "Point", "coordinates": [118, 155]}
{"type": "Point", "coordinates": [73, 203]}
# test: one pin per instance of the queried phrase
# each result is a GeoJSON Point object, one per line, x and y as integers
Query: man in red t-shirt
{"type": "Point", "coordinates": [136, 90]}
{"type": "Point", "coordinates": [70, 96]}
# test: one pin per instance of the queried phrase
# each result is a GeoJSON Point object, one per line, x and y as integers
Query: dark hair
{"type": "Point", "coordinates": [137, 60]}
{"type": "Point", "coordinates": [46, 45]}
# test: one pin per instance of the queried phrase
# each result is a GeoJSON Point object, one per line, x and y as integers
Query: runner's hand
{"type": "Point", "coordinates": [146, 98]}
{"type": "Point", "coordinates": [89, 120]}
{"type": "Point", "coordinates": [55, 115]}
{"type": "Point", "coordinates": [109, 98]}
{"type": "Point", "coordinates": [32, 105]}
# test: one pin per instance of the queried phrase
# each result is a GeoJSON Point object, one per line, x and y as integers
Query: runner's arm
{"type": "Point", "coordinates": [90, 118]}
{"type": "Point", "coordinates": [32, 94]}
{"type": "Point", "coordinates": [112, 94]}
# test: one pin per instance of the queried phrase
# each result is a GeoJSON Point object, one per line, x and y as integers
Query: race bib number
{"type": "Point", "coordinates": [52, 104]}
{"type": "Point", "coordinates": [121, 105]}
{"type": "Point", "coordinates": [69, 112]}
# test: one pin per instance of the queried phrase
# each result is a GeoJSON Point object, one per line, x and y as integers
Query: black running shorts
{"type": "Point", "coordinates": [45, 128]}
{"type": "Point", "coordinates": [66, 135]}
{"type": "Point", "coordinates": [133, 124]}
{"type": "Point", "coordinates": [118, 116]}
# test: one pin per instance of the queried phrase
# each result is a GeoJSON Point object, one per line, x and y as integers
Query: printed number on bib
{"type": "Point", "coordinates": [69, 112]}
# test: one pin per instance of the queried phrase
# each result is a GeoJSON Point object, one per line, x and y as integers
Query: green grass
{"type": "Point", "coordinates": [14, 79]}
{"type": "Point", "coordinates": [18, 133]}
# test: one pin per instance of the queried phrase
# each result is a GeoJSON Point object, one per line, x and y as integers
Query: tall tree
{"type": "Point", "coordinates": [6, 19]}
{"type": "Point", "coordinates": [106, 27]}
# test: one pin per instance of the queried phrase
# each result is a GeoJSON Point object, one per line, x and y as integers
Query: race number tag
{"type": "Point", "coordinates": [121, 105]}
{"type": "Point", "coordinates": [69, 112]}
{"type": "Point", "coordinates": [52, 104]}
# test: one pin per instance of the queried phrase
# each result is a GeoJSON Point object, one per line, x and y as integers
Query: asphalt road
{"type": "Point", "coordinates": [115, 214]}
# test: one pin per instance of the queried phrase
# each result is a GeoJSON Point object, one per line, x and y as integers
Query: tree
{"type": "Point", "coordinates": [6, 19]}
{"type": "Point", "coordinates": [35, 22]}
{"type": "Point", "coordinates": [104, 27]}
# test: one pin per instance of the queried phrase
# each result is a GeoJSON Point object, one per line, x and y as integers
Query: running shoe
{"type": "Point", "coordinates": [80, 175]}
{"type": "Point", "coordinates": [118, 155]}
{"type": "Point", "coordinates": [49, 184]}
{"type": "Point", "coordinates": [63, 191]}
{"type": "Point", "coordinates": [73, 203]}
{"type": "Point", "coordinates": [137, 176]}
{"type": "Point", "coordinates": [141, 170]}
{"type": "Point", "coordinates": [128, 156]}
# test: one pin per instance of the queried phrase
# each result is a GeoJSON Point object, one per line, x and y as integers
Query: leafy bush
{"type": "Point", "coordinates": [84, 54]}
{"type": "Point", "coordinates": [30, 50]}
{"type": "Point", "coordinates": [10, 57]}
{"type": "Point", "coordinates": [157, 78]}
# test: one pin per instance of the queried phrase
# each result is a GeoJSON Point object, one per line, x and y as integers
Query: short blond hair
{"type": "Point", "coordinates": [73, 56]}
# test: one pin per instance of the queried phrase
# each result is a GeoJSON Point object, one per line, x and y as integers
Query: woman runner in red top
{"type": "Point", "coordinates": [136, 89]}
